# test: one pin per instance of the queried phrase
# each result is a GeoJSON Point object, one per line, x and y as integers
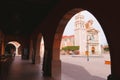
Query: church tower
{"type": "Point", "coordinates": [86, 36]}
{"type": "Point", "coordinates": [80, 33]}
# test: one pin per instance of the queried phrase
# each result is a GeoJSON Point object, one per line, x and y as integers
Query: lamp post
{"type": "Point", "coordinates": [87, 51]}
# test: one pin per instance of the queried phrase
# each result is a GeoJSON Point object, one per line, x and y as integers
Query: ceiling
{"type": "Point", "coordinates": [22, 17]}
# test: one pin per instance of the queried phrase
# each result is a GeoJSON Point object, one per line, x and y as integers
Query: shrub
{"type": "Point", "coordinates": [70, 48]}
{"type": "Point", "coordinates": [106, 48]}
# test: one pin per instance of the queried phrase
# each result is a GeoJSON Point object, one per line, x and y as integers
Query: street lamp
{"type": "Point", "coordinates": [87, 51]}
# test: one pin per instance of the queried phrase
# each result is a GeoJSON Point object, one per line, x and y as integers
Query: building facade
{"type": "Point", "coordinates": [86, 36]}
{"type": "Point", "coordinates": [67, 41]}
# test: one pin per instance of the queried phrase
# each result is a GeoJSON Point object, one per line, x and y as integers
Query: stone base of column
{"type": "Point", "coordinates": [111, 77]}
{"type": "Point", "coordinates": [56, 69]}
{"type": "Point", "coordinates": [37, 60]}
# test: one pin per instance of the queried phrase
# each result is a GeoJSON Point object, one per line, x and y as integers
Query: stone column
{"type": "Point", "coordinates": [56, 65]}
{"type": "Point", "coordinates": [47, 64]}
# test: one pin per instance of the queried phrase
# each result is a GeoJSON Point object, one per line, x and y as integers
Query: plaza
{"type": "Point", "coordinates": [78, 68]}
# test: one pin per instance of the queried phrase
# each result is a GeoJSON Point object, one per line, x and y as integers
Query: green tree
{"type": "Point", "coordinates": [70, 48]}
{"type": "Point", "coordinates": [106, 48]}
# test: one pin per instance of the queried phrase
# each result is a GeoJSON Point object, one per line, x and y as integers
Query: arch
{"type": "Point", "coordinates": [17, 46]}
{"type": "Point", "coordinates": [93, 50]}
{"type": "Point", "coordinates": [60, 30]}
{"type": "Point", "coordinates": [56, 63]}
{"type": "Point", "coordinates": [39, 48]}
{"type": "Point", "coordinates": [42, 47]}
{"type": "Point", "coordinates": [35, 54]}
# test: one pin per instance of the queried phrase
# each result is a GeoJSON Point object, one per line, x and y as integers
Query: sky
{"type": "Point", "coordinates": [69, 30]}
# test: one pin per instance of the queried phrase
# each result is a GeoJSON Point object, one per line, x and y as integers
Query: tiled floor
{"type": "Point", "coordinates": [24, 70]}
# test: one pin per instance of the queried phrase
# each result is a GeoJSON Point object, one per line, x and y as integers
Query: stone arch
{"type": "Point", "coordinates": [56, 63]}
{"type": "Point", "coordinates": [59, 33]}
{"type": "Point", "coordinates": [60, 30]}
{"type": "Point", "coordinates": [23, 49]}
{"type": "Point", "coordinates": [38, 48]}
{"type": "Point", "coordinates": [34, 54]}
{"type": "Point", "coordinates": [17, 46]}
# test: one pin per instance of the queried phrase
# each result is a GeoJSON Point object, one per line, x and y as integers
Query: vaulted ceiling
{"type": "Point", "coordinates": [22, 17]}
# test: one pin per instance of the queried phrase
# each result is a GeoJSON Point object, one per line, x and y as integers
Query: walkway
{"type": "Point", "coordinates": [24, 70]}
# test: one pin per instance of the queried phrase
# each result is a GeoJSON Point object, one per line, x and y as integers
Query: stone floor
{"type": "Point", "coordinates": [73, 68]}
{"type": "Point", "coordinates": [24, 70]}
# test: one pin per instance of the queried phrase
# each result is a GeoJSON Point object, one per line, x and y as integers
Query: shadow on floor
{"type": "Point", "coordinates": [75, 72]}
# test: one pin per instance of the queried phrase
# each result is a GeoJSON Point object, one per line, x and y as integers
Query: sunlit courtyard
{"type": "Point", "coordinates": [79, 68]}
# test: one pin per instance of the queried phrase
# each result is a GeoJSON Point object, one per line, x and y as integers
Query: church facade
{"type": "Point", "coordinates": [86, 36]}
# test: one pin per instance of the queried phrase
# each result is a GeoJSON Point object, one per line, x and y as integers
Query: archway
{"type": "Point", "coordinates": [59, 33]}
{"type": "Point", "coordinates": [42, 49]}
{"type": "Point", "coordinates": [39, 49]}
{"type": "Point", "coordinates": [93, 50]}
{"type": "Point", "coordinates": [17, 46]}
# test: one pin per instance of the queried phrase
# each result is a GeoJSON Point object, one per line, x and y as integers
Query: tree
{"type": "Point", "coordinates": [106, 48]}
{"type": "Point", "coordinates": [70, 48]}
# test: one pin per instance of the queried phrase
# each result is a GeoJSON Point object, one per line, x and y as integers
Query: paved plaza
{"type": "Point", "coordinates": [78, 68]}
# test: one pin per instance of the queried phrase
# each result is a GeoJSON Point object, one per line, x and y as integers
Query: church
{"type": "Point", "coordinates": [86, 36]}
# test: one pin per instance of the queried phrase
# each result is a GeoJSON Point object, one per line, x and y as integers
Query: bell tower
{"type": "Point", "coordinates": [80, 33]}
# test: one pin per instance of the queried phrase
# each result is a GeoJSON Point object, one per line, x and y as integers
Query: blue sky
{"type": "Point", "coordinates": [69, 30]}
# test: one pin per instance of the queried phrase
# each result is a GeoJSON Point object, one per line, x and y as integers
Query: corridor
{"type": "Point", "coordinates": [24, 70]}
